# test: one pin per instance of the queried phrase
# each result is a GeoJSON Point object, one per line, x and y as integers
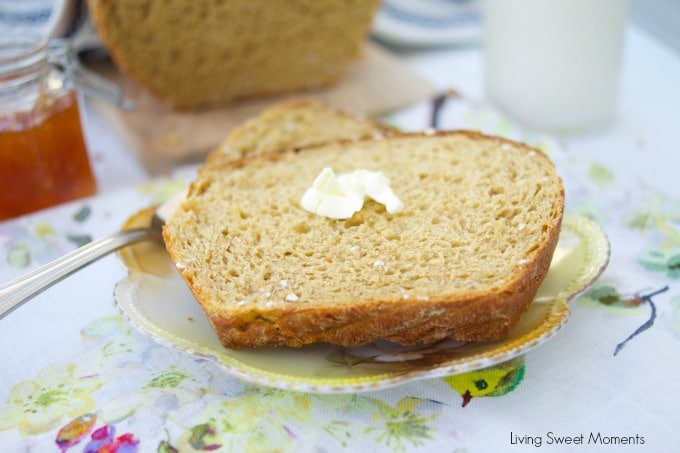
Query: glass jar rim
{"type": "Point", "coordinates": [21, 53]}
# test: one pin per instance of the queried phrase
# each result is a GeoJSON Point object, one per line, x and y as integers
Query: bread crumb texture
{"type": "Point", "coordinates": [192, 53]}
{"type": "Point", "coordinates": [293, 124]}
{"type": "Point", "coordinates": [463, 259]}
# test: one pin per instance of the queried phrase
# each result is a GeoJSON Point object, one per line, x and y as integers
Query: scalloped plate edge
{"type": "Point", "coordinates": [597, 259]}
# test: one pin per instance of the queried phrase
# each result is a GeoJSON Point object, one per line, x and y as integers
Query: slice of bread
{"type": "Point", "coordinates": [293, 124]}
{"type": "Point", "coordinates": [462, 260]}
{"type": "Point", "coordinates": [197, 53]}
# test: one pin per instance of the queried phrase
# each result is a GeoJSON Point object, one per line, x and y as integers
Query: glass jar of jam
{"type": "Point", "coordinates": [43, 156]}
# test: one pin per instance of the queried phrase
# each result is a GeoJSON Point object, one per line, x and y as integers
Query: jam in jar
{"type": "Point", "coordinates": [44, 160]}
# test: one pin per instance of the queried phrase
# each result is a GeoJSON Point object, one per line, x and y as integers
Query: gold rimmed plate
{"type": "Point", "coordinates": [156, 301]}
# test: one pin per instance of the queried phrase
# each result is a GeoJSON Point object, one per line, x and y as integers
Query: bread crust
{"type": "Point", "coordinates": [477, 316]}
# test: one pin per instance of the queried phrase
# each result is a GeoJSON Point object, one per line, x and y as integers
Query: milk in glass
{"type": "Point", "coordinates": [554, 64]}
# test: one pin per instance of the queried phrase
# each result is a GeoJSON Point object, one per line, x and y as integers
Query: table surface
{"type": "Point", "coordinates": [75, 376]}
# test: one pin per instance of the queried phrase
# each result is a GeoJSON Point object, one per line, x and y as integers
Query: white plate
{"type": "Point", "coordinates": [156, 301]}
{"type": "Point", "coordinates": [427, 23]}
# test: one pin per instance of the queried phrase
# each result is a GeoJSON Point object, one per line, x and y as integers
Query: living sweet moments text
{"type": "Point", "coordinates": [590, 438]}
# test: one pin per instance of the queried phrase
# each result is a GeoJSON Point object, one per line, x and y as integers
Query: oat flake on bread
{"type": "Point", "coordinates": [462, 260]}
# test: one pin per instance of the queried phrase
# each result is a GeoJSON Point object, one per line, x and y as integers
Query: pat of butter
{"type": "Point", "coordinates": [339, 197]}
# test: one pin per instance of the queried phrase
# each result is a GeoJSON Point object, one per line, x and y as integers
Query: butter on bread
{"type": "Point", "coordinates": [191, 54]}
{"type": "Point", "coordinates": [462, 260]}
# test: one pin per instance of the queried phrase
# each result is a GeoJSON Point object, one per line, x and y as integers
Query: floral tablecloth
{"type": "Point", "coordinates": [75, 376]}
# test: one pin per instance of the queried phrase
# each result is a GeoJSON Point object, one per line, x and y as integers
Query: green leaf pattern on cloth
{"type": "Point", "coordinates": [42, 404]}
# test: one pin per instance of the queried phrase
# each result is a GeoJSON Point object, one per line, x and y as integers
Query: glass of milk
{"type": "Point", "coordinates": [554, 64]}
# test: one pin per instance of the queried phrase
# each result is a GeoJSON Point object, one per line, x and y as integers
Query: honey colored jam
{"type": "Point", "coordinates": [43, 157]}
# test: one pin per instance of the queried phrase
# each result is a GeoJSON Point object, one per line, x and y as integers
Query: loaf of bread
{"type": "Point", "coordinates": [293, 124]}
{"type": "Point", "coordinates": [463, 259]}
{"type": "Point", "coordinates": [194, 53]}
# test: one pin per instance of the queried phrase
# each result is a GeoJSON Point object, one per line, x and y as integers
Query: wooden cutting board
{"type": "Point", "coordinates": [162, 138]}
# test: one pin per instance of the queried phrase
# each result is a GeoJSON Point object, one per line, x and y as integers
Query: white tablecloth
{"type": "Point", "coordinates": [74, 375]}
